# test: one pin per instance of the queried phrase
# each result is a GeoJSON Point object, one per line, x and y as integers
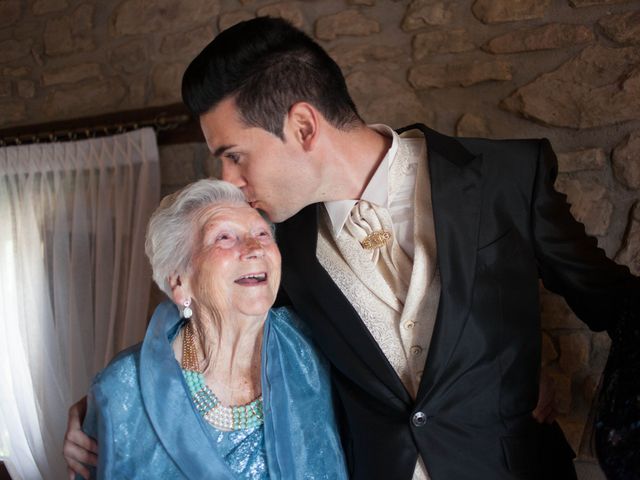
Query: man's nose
{"type": "Point", "coordinates": [231, 173]}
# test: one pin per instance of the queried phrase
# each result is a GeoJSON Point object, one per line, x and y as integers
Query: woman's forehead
{"type": "Point", "coordinates": [228, 212]}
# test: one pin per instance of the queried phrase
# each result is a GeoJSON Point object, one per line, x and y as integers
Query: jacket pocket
{"type": "Point", "coordinates": [501, 248]}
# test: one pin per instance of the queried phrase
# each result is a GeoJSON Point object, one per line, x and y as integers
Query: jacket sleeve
{"type": "Point", "coordinates": [570, 263]}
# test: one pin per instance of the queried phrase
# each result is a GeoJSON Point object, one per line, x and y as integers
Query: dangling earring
{"type": "Point", "coordinates": [187, 312]}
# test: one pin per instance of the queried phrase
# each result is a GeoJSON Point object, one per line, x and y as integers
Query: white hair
{"type": "Point", "coordinates": [170, 234]}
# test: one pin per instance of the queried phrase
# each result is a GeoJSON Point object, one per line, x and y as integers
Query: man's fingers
{"type": "Point", "coordinates": [77, 468]}
{"type": "Point", "coordinates": [82, 440]}
{"type": "Point", "coordinates": [78, 454]}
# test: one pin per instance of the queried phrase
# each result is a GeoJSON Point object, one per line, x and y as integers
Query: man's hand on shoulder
{"type": "Point", "coordinates": [78, 449]}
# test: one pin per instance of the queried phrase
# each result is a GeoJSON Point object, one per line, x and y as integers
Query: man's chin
{"type": "Point", "coordinates": [274, 215]}
{"type": "Point", "coordinates": [278, 216]}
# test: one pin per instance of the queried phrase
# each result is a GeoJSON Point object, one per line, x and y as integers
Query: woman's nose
{"type": "Point", "coordinates": [252, 248]}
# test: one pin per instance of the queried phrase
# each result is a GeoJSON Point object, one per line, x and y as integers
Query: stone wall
{"type": "Point", "coordinates": [563, 69]}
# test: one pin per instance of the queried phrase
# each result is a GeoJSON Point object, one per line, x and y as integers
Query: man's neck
{"type": "Point", "coordinates": [350, 158]}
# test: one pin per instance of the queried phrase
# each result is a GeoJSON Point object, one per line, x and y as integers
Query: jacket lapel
{"type": "Point", "coordinates": [336, 326]}
{"type": "Point", "coordinates": [456, 192]}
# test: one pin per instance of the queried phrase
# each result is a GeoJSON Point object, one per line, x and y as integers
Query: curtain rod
{"type": "Point", "coordinates": [161, 122]}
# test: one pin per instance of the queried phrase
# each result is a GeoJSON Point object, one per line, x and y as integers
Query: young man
{"type": "Point", "coordinates": [414, 259]}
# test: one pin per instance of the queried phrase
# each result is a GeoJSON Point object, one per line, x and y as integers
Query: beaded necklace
{"type": "Point", "coordinates": [224, 418]}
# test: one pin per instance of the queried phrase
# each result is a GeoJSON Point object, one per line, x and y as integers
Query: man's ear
{"type": "Point", "coordinates": [302, 123]}
{"type": "Point", "coordinates": [180, 290]}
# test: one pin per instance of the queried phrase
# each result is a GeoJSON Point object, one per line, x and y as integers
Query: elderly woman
{"type": "Point", "coordinates": [222, 386]}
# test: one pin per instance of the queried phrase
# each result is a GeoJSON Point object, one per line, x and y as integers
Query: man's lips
{"type": "Point", "coordinates": [252, 279]}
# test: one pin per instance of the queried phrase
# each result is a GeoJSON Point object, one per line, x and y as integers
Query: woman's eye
{"type": "Point", "coordinates": [224, 238]}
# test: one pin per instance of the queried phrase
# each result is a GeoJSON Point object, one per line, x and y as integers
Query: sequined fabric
{"type": "Point", "coordinates": [140, 412]}
{"type": "Point", "coordinates": [617, 426]}
{"type": "Point", "coordinates": [243, 451]}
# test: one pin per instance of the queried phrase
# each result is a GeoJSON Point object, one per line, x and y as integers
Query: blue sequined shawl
{"type": "Point", "coordinates": [147, 427]}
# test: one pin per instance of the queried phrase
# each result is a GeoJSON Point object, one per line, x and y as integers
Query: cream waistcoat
{"type": "Point", "coordinates": [403, 331]}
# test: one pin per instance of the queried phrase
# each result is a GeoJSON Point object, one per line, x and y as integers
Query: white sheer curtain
{"type": "Point", "coordinates": [74, 281]}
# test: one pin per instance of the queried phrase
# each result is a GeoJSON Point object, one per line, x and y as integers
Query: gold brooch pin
{"type": "Point", "coordinates": [376, 239]}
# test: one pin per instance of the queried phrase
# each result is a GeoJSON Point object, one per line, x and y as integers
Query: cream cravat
{"type": "Point", "coordinates": [390, 260]}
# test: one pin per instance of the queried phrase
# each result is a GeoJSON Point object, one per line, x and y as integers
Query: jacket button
{"type": "Point", "coordinates": [419, 419]}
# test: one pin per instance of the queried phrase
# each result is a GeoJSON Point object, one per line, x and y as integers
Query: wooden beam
{"type": "Point", "coordinates": [173, 124]}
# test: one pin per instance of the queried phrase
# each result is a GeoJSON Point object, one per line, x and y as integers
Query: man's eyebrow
{"type": "Point", "coordinates": [221, 149]}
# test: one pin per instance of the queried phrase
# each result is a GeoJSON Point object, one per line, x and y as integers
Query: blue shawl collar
{"type": "Point", "coordinates": [301, 439]}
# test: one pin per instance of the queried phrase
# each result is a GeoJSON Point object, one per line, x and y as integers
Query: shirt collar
{"type": "Point", "coordinates": [377, 190]}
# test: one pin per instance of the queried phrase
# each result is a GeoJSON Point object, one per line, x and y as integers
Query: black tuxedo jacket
{"type": "Point", "coordinates": [500, 226]}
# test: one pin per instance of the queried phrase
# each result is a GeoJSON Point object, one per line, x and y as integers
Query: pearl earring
{"type": "Point", "coordinates": [187, 312]}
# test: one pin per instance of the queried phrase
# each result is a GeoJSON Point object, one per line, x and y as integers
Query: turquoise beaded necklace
{"type": "Point", "coordinates": [225, 418]}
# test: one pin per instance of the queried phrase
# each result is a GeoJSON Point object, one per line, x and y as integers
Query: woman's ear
{"type": "Point", "coordinates": [302, 123]}
{"type": "Point", "coordinates": [180, 290]}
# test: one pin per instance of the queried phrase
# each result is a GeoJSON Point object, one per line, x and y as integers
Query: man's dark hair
{"type": "Point", "coordinates": [267, 65]}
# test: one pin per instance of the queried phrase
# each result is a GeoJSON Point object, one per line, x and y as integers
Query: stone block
{"type": "Point", "coordinates": [471, 125]}
{"type": "Point", "coordinates": [422, 13]}
{"type": "Point", "coordinates": [137, 96]}
{"type": "Point", "coordinates": [70, 74]}
{"type": "Point", "coordinates": [549, 353]}
{"type": "Point", "coordinates": [177, 164]}
{"type": "Point", "coordinates": [70, 33]}
{"type": "Point", "coordinates": [458, 74]}
{"type": "Point", "coordinates": [229, 19]}
{"type": "Point", "coordinates": [11, 50]}
{"type": "Point", "coordinates": [129, 57]}
{"type": "Point", "coordinates": [562, 387]}
{"type": "Point", "coordinates": [15, 72]}
{"type": "Point", "coordinates": [626, 161]}
{"type": "Point", "coordinates": [26, 88]}
{"type": "Point", "coordinates": [134, 17]}
{"type": "Point", "coordinates": [589, 3]}
{"type": "Point", "coordinates": [575, 349]}
{"type": "Point", "coordinates": [545, 37]}
{"type": "Point", "coordinates": [382, 99]}
{"type": "Point", "coordinates": [287, 10]}
{"type": "Point", "coordinates": [89, 98]}
{"type": "Point", "coordinates": [12, 111]}
{"type": "Point", "coordinates": [41, 7]}
{"type": "Point", "coordinates": [10, 12]}
{"type": "Point", "coordinates": [441, 41]}
{"type": "Point", "coordinates": [600, 86]}
{"type": "Point", "coordinates": [497, 11]}
{"type": "Point", "coordinates": [347, 22]}
{"type": "Point", "coordinates": [187, 43]}
{"type": "Point", "coordinates": [629, 253]}
{"type": "Point", "coordinates": [167, 82]}
{"type": "Point", "coordinates": [623, 28]}
{"type": "Point", "coordinates": [580, 160]}
{"type": "Point", "coordinates": [589, 203]}
{"type": "Point", "coordinates": [348, 56]}
{"type": "Point", "coordinates": [5, 88]}
{"type": "Point", "coordinates": [555, 314]}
